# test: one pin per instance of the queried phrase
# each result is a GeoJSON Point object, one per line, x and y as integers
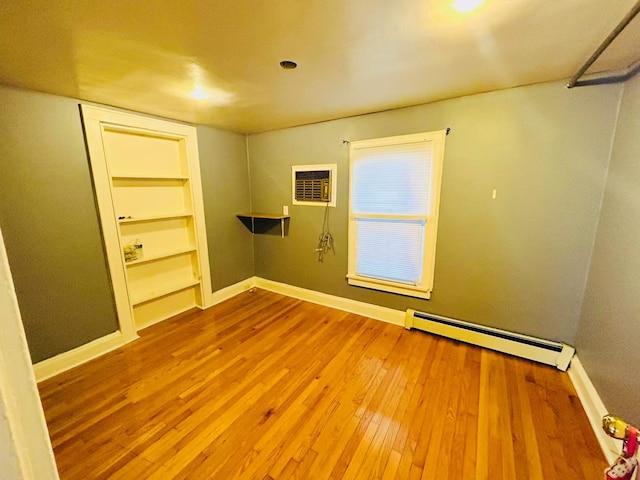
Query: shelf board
{"type": "Point", "coordinates": [151, 218]}
{"type": "Point", "coordinates": [149, 177]}
{"type": "Point", "coordinates": [268, 216]}
{"type": "Point", "coordinates": [163, 290]}
{"type": "Point", "coordinates": [160, 256]}
{"type": "Point", "coordinates": [263, 216]}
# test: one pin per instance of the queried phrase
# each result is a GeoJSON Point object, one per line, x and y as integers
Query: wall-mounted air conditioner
{"type": "Point", "coordinates": [314, 185]}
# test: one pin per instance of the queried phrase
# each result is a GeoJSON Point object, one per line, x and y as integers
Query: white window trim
{"type": "Point", "coordinates": [424, 289]}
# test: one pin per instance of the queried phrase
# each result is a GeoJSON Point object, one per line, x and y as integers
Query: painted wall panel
{"type": "Point", "coordinates": [609, 330]}
{"type": "Point", "coordinates": [50, 223]}
{"type": "Point", "coordinates": [225, 185]}
{"type": "Point", "coordinates": [25, 447]}
{"type": "Point", "coordinates": [518, 262]}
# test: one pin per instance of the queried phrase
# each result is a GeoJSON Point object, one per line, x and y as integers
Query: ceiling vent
{"type": "Point", "coordinates": [314, 185]}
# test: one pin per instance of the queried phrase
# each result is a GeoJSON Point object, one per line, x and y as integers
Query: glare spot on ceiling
{"type": "Point", "coordinates": [198, 93]}
{"type": "Point", "coordinates": [465, 6]}
{"type": "Point", "coordinates": [204, 89]}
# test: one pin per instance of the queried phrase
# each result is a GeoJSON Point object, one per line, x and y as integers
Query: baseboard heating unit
{"type": "Point", "coordinates": [544, 351]}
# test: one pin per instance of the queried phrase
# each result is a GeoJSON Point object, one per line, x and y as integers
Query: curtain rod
{"type": "Point", "coordinates": [612, 36]}
{"type": "Point", "coordinates": [349, 141]}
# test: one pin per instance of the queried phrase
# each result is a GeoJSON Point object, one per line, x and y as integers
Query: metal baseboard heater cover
{"type": "Point", "coordinates": [556, 354]}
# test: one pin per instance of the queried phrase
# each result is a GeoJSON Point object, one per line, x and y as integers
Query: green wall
{"type": "Point", "coordinates": [609, 331]}
{"type": "Point", "coordinates": [519, 262]}
{"type": "Point", "coordinates": [50, 223]}
{"type": "Point", "coordinates": [225, 185]}
{"type": "Point", "coordinates": [50, 226]}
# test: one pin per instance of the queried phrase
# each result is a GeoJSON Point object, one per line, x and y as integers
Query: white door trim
{"type": "Point", "coordinates": [25, 447]}
{"type": "Point", "coordinates": [94, 120]}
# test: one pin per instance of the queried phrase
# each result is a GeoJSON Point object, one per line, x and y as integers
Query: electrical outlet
{"type": "Point", "coordinates": [285, 209]}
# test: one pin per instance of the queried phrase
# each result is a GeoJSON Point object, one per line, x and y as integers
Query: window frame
{"type": "Point", "coordinates": [430, 227]}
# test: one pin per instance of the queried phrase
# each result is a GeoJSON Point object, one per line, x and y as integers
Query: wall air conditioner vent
{"type": "Point", "coordinates": [314, 185]}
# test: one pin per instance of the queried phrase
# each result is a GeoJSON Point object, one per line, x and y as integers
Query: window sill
{"type": "Point", "coordinates": [390, 287]}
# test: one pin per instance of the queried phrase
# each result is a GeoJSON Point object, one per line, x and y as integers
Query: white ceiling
{"type": "Point", "coordinates": [354, 56]}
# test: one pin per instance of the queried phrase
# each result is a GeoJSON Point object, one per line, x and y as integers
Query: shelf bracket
{"type": "Point", "coordinates": [249, 220]}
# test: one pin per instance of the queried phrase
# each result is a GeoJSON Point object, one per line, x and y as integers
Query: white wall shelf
{"type": "Point", "coordinates": [160, 256]}
{"type": "Point", "coordinates": [149, 177]}
{"type": "Point", "coordinates": [164, 290]}
{"type": "Point", "coordinates": [151, 218]}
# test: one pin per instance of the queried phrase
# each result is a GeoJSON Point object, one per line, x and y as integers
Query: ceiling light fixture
{"type": "Point", "coordinates": [288, 64]}
{"type": "Point", "coordinates": [465, 6]}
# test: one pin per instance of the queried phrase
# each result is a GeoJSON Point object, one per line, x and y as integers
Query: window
{"type": "Point", "coordinates": [393, 212]}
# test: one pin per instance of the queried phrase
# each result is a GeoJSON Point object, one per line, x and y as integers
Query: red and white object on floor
{"type": "Point", "coordinates": [626, 464]}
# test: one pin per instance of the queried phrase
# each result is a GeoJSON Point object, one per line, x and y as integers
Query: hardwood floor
{"type": "Point", "coordinates": [268, 387]}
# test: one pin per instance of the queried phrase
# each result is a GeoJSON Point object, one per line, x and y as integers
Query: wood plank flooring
{"type": "Point", "coordinates": [267, 387]}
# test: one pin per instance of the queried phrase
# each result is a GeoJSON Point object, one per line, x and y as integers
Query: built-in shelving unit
{"type": "Point", "coordinates": [147, 176]}
{"type": "Point", "coordinates": [252, 217]}
{"type": "Point", "coordinates": [155, 209]}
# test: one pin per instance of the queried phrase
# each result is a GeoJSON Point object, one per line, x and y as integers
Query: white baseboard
{"type": "Point", "coordinates": [369, 310]}
{"type": "Point", "coordinates": [591, 402]}
{"type": "Point", "coordinates": [594, 408]}
{"type": "Point", "coordinates": [231, 291]}
{"type": "Point", "coordinates": [67, 360]}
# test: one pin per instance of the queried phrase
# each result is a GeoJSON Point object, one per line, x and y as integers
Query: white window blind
{"type": "Point", "coordinates": [394, 192]}
{"type": "Point", "coordinates": [391, 179]}
{"type": "Point", "coordinates": [390, 249]}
